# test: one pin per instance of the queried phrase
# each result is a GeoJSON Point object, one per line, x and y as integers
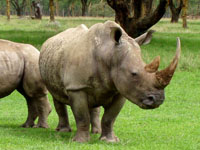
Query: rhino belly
{"type": "Point", "coordinates": [11, 71]}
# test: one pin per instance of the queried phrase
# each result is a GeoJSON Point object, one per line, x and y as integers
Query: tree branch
{"type": "Point", "coordinates": [149, 21]}
{"type": "Point", "coordinates": [13, 3]}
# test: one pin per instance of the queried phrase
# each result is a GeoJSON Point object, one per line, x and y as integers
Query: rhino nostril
{"type": "Point", "coordinates": [151, 97]}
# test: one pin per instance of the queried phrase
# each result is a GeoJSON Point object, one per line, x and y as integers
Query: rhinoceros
{"type": "Point", "coordinates": [100, 66]}
{"type": "Point", "coordinates": [19, 70]}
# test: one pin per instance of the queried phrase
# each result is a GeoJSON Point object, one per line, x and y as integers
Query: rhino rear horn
{"type": "Point", "coordinates": [164, 76]}
{"type": "Point", "coordinates": [153, 66]}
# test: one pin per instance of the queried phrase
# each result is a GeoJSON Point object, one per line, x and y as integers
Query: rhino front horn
{"type": "Point", "coordinates": [164, 76]}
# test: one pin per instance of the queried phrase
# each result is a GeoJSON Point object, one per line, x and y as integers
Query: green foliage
{"type": "Point", "coordinates": [66, 7]}
{"type": "Point", "coordinates": [2, 6]}
{"type": "Point", "coordinates": [97, 7]}
{"type": "Point", "coordinates": [173, 126]}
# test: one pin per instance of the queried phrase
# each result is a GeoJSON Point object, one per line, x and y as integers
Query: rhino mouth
{"type": "Point", "coordinates": [151, 102]}
{"type": "Point", "coordinates": [144, 106]}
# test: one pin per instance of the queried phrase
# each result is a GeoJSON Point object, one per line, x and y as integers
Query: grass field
{"type": "Point", "coordinates": [175, 125]}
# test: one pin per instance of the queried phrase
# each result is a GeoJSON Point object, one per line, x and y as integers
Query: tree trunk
{"type": "Point", "coordinates": [51, 6]}
{"type": "Point", "coordinates": [71, 9]}
{"type": "Point", "coordinates": [57, 8]}
{"type": "Point", "coordinates": [184, 13]}
{"type": "Point", "coordinates": [8, 9]}
{"type": "Point", "coordinates": [198, 8]}
{"type": "Point", "coordinates": [30, 8]}
{"type": "Point", "coordinates": [84, 7]}
{"type": "Point", "coordinates": [175, 11]}
{"type": "Point", "coordinates": [174, 18]}
{"type": "Point", "coordinates": [19, 7]}
{"type": "Point", "coordinates": [19, 12]}
{"type": "Point", "coordinates": [136, 16]}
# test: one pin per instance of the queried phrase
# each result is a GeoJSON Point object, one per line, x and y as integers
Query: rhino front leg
{"type": "Point", "coordinates": [94, 119]}
{"type": "Point", "coordinates": [109, 117]}
{"type": "Point", "coordinates": [44, 109]}
{"type": "Point", "coordinates": [79, 105]}
{"type": "Point", "coordinates": [61, 110]}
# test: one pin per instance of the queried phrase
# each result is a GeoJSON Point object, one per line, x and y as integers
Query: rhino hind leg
{"type": "Point", "coordinates": [109, 117]}
{"type": "Point", "coordinates": [79, 105]}
{"type": "Point", "coordinates": [44, 109]}
{"type": "Point", "coordinates": [32, 110]}
{"type": "Point", "coordinates": [95, 121]}
{"type": "Point", "coordinates": [63, 125]}
{"type": "Point", "coordinates": [37, 107]}
{"type": "Point", "coordinates": [32, 114]}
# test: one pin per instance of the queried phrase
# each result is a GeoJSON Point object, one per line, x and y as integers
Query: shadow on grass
{"type": "Point", "coordinates": [48, 135]}
{"type": "Point", "coordinates": [41, 134]}
{"type": "Point", "coordinates": [44, 135]}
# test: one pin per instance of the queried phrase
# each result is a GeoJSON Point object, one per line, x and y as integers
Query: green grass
{"type": "Point", "coordinates": [173, 126]}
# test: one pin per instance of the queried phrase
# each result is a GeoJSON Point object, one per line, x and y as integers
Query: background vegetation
{"type": "Point", "coordinates": [173, 126]}
{"type": "Point", "coordinates": [96, 7]}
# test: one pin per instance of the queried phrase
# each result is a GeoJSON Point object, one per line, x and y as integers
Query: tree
{"type": "Point", "coordinates": [29, 5]}
{"type": "Point", "coordinates": [175, 11]}
{"type": "Point", "coordinates": [8, 9]}
{"type": "Point", "coordinates": [84, 7]}
{"type": "Point", "coordinates": [57, 8]}
{"type": "Point", "coordinates": [19, 6]}
{"type": "Point", "coordinates": [51, 7]}
{"type": "Point", "coordinates": [137, 16]}
{"type": "Point", "coordinates": [37, 10]}
{"type": "Point", "coordinates": [184, 13]}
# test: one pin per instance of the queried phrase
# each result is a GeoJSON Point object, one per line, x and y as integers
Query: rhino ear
{"type": "Point", "coordinates": [116, 34]}
{"type": "Point", "coordinates": [145, 38]}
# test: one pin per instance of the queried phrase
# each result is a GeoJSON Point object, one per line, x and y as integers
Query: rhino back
{"type": "Point", "coordinates": [11, 67]}
{"type": "Point", "coordinates": [19, 69]}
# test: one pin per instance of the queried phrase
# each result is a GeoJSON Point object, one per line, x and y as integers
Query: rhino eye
{"type": "Point", "coordinates": [134, 74]}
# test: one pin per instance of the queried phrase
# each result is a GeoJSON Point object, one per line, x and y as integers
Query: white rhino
{"type": "Point", "coordinates": [101, 66]}
{"type": "Point", "coordinates": [19, 70]}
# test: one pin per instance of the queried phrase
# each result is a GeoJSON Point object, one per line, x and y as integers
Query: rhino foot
{"type": "Point", "coordinates": [41, 126]}
{"type": "Point", "coordinates": [96, 130]}
{"type": "Point", "coordinates": [27, 125]}
{"type": "Point", "coordinates": [81, 138]}
{"type": "Point", "coordinates": [109, 139]}
{"type": "Point", "coordinates": [63, 129]}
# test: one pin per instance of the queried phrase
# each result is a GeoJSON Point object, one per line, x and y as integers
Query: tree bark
{"type": "Point", "coordinates": [51, 6]}
{"type": "Point", "coordinates": [30, 8]}
{"type": "Point", "coordinates": [18, 7]}
{"type": "Point", "coordinates": [8, 9]}
{"type": "Point", "coordinates": [198, 8]}
{"type": "Point", "coordinates": [136, 16]}
{"type": "Point", "coordinates": [184, 13]}
{"type": "Point", "coordinates": [19, 12]}
{"type": "Point", "coordinates": [57, 8]}
{"type": "Point", "coordinates": [84, 7]}
{"type": "Point", "coordinates": [175, 11]}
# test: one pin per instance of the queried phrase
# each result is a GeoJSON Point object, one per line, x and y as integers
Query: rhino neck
{"type": "Point", "coordinates": [102, 65]}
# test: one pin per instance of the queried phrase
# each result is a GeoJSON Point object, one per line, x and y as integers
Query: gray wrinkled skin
{"type": "Point", "coordinates": [101, 66]}
{"type": "Point", "coordinates": [19, 70]}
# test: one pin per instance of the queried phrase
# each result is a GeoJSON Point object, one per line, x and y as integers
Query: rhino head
{"type": "Point", "coordinates": [140, 83]}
